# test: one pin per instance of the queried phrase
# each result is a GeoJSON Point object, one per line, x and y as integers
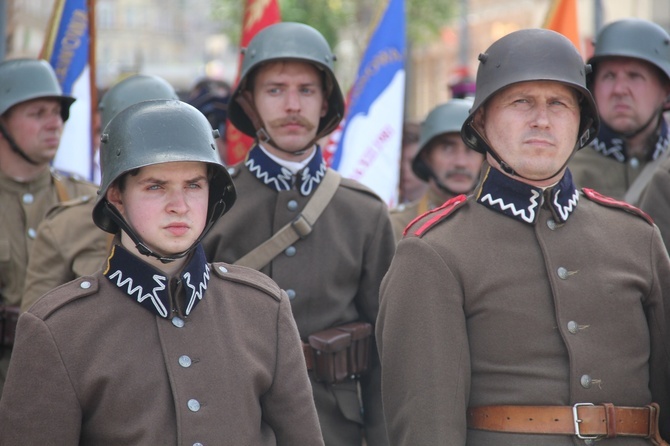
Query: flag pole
{"type": "Point", "coordinates": [93, 84]}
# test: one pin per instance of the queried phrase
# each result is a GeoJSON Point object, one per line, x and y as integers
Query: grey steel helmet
{"type": "Point", "coordinates": [532, 55]}
{"type": "Point", "coordinates": [155, 132]}
{"type": "Point", "coordinates": [634, 38]}
{"type": "Point", "coordinates": [22, 80]}
{"type": "Point", "coordinates": [445, 118]}
{"type": "Point", "coordinates": [289, 41]}
{"type": "Point", "coordinates": [131, 90]}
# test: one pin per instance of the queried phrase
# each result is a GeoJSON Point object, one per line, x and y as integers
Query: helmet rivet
{"type": "Point", "coordinates": [483, 57]}
{"type": "Point", "coordinates": [104, 138]}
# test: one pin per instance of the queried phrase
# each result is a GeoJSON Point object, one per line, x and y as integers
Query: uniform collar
{"type": "Point", "coordinates": [522, 201]}
{"type": "Point", "coordinates": [611, 144]}
{"type": "Point", "coordinates": [43, 180]}
{"type": "Point", "coordinates": [150, 287]}
{"type": "Point", "coordinates": [279, 178]}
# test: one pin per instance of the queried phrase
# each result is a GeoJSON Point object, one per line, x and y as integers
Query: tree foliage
{"type": "Point", "coordinates": [425, 18]}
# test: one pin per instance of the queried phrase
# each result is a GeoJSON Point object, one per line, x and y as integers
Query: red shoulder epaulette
{"type": "Point", "coordinates": [611, 202]}
{"type": "Point", "coordinates": [440, 213]}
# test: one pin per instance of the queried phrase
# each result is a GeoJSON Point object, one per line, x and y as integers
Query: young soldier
{"type": "Point", "coordinates": [161, 347]}
{"type": "Point", "coordinates": [530, 312]}
{"type": "Point", "coordinates": [68, 244]}
{"type": "Point", "coordinates": [332, 265]}
{"type": "Point", "coordinates": [32, 112]}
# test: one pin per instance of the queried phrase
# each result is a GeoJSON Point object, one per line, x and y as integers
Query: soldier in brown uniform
{"type": "Point", "coordinates": [32, 112]}
{"type": "Point", "coordinates": [631, 86]}
{"type": "Point", "coordinates": [531, 312]}
{"type": "Point", "coordinates": [411, 187]}
{"type": "Point", "coordinates": [443, 161]}
{"type": "Point", "coordinates": [288, 98]}
{"type": "Point", "coordinates": [68, 244]}
{"type": "Point", "coordinates": [161, 347]}
{"type": "Point", "coordinates": [656, 200]}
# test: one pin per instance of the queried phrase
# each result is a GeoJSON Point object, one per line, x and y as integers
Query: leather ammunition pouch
{"type": "Point", "coordinates": [339, 353]}
{"type": "Point", "coordinates": [9, 316]}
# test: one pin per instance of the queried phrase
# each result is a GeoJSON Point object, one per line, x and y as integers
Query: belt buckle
{"type": "Point", "coordinates": [577, 421]}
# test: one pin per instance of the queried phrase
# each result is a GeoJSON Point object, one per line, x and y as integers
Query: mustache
{"type": "Point", "coordinates": [291, 120]}
{"type": "Point", "coordinates": [450, 173]}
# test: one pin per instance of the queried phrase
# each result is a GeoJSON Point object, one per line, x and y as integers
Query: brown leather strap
{"type": "Point", "coordinates": [584, 420]}
{"type": "Point", "coordinates": [299, 228]}
{"type": "Point", "coordinates": [309, 355]}
{"type": "Point", "coordinates": [61, 190]}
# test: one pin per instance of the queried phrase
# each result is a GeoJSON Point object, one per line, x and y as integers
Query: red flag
{"type": "Point", "coordinates": [562, 18]}
{"type": "Point", "coordinates": [257, 15]}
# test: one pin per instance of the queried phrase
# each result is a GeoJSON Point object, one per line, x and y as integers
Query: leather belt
{"type": "Point", "coordinates": [309, 355]}
{"type": "Point", "coordinates": [584, 420]}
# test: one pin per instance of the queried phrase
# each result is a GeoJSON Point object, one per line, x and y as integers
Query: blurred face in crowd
{"type": "Point", "coordinates": [453, 163]}
{"type": "Point", "coordinates": [628, 93]}
{"type": "Point", "coordinates": [290, 100]}
{"type": "Point", "coordinates": [166, 204]}
{"type": "Point", "coordinates": [533, 126]}
{"type": "Point", "coordinates": [411, 186]}
{"type": "Point", "coordinates": [36, 127]}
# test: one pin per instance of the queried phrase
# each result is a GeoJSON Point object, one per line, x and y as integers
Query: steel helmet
{"type": "Point", "coordinates": [132, 90]}
{"type": "Point", "coordinates": [289, 41]}
{"type": "Point", "coordinates": [532, 55]}
{"type": "Point", "coordinates": [22, 80]}
{"type": "Point", "coordinates": [634, 38]}
{"type": "Point", "coordinates": [445, 118]}
{"type": "Point", "coordinates": [155, 132]}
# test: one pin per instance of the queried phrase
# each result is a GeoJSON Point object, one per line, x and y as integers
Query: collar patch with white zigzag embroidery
{"type": "Point", "coordinates": [148, 286]}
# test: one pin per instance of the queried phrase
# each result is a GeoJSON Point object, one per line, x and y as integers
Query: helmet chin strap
{"type": "Point", "coordinates": [263, 136]}
{"type": "Point", "coordinates": [509, 170]}
{"type": "Point", "coordinates": [142, 247]}
{"type": "Point", "coordinates": [15, 147]}
{"type": "Point", "coordinates": [438, 182]}
{"type": "Point", "coordinates": [657, 115]}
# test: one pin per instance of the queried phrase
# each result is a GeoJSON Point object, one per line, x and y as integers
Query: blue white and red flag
{"type": "Point", "coordinates": [69, 48]}
{"type": "Point", "coordinates": [369, 143]}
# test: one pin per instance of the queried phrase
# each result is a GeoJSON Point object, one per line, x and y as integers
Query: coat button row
{"type": "Point", "coordinates": [292, 205]}
{"type": "Point", "coordinates": [185, 361]}
{"type": "Point", "coordinates": [573, 327]}
{"type": "Point", "coordinates": [291, 294]}
{"type": "Point", "coordinates": [193, 405]}
{"type": "Point", "coordinates": [27, 198]}
{"type": "Point", "coordinates": [177, 322]}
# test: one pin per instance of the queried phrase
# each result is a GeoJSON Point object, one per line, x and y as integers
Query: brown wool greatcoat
{"type": "Point", "coordinates": [24, 206]}
{"type": "Point", "coordinates": [485, 310]}
{"type": "Point", "coordinates": [332, 275]}
{"type": "Point", "coordinates": [403, 214]}
{"type": "Point", "coordinates": [92, 367]}
{"type": "Point", "coordinates": [656, 199]}
{"type": "Point", "coordinates": [606, 175]}
{"type": "Point", "coordinates": [68, 245]}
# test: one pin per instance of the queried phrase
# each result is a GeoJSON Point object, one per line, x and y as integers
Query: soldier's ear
{"type": "Point", "coordinates": [114, 197]}
{"type": "Point", "coordinates": [478, 120]}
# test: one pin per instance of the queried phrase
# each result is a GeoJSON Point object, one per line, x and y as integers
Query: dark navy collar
{"type": "Point", "coordinates": [611, 144]}
{"type": "Point", "coordinates": [279, 178]}
{"type": "Point", "coordinates": [149, 286]}
{"type": "Point", "coordinates": [522, 201]}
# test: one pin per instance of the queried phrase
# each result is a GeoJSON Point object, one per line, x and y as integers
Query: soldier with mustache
{"type": "Point", "coordinates": [288, 98]}
{"type": "Point", "coordinates": [443, 161]}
